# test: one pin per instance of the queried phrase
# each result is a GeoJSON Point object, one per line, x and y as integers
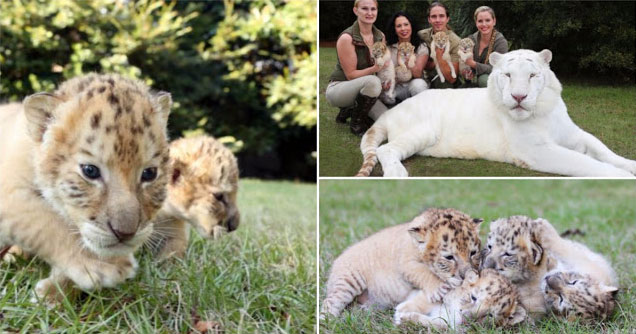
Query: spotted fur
{"type": "Point", "coordinates": [431, 253]}
{"type": "Point", "coordinates": [442, 41]}
{"type": "Point", "coordinates": [382, 55]}
{"type": "Point", "coordinates": [202, 192]}
{"type": "Point", "coordinates": [583, 284]}
{"type": "Point", "coordinates": [84, 172]}
{"type": "Point", "coordinates": [405, 61]}
{"type": "Point", "coordinates": [578, 296]}
{"type": "Point", "coordinates": [484, 297]}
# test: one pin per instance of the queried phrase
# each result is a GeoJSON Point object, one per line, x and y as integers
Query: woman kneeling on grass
{"type": "Point", "coordinates": [353, 87]}
{"type": "Point", "coordinates": [487, 40]}
{"type": "Point", "coordinates": [399, 30]}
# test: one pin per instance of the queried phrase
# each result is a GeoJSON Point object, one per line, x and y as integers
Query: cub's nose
{"type": "Point", "coordinates": [232, 222]}
{"type": "Point", "coordinates": [121, 235]}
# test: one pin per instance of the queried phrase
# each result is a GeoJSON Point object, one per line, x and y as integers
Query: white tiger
{"type": "Point", "coordinates": [520, 118]}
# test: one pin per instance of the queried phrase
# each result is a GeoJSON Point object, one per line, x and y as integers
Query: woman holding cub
{"type": "Point", "coordinates": [405, 46]}
{"type": "Point", "coordinates": [353, 87]}
{"type": "Point", "coordinates": [438, 19]}
{"type": "Point", "coordinates": [486, 40]}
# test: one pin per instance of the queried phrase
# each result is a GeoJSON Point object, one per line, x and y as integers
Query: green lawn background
{"type": "Point", "coordinates": [351, 210]}
{"type": "Point", "coordinates": [609, 113]}
{"type": "Point", "coordinates": [259, 279]}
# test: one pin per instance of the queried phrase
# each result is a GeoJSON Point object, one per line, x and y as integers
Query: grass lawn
{"type": "Point", "coordinates": [351, 210]}
{"type": "Point", "coordinates": [259, 279]}
{"type": "Point", "coordinates": [609, 113]}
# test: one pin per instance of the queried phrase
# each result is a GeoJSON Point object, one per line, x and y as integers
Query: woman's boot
{"type": "Point", "coordinates": [360, 121]}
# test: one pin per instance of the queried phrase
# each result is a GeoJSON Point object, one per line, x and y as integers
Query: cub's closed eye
{"type": "Point", "coordinates": [508, 75]}
{"type": "Point", "coordinates": [449, 257]}
{"type": "Point", "coordinates": [573, 282]}
{"type": "Point", "coordinates": [506, 254]}
{"type": "Point", "coordinates": [91, 172]}
{"type": "Point", "coordinates": [532, 75]}
{"type": "Point", "coordinates": [149, 174]}
{"type": "Point", "coordinates": [219, 197]}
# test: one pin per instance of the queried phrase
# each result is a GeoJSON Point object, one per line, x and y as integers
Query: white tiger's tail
{"type": "Point", "coordinates": [368, 145]}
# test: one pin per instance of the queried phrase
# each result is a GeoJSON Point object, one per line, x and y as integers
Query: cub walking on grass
{"type": "Point", "coordinates": [84, 172]}
{"type": "Point", "coordinates": [432, 253]}
{"type": "Point", "coordinates": [202, 192]}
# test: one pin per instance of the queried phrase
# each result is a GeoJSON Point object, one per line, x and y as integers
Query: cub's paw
{"type": "Point", "coordinates": [94, 274]}
{"type": "Point", "coordinates": [48, 292]}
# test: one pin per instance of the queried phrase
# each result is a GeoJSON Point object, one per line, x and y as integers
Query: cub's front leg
{"type": "Point", "coordinates": [431, 287]}
{"type": "Point", "coordinates": [87, 273]}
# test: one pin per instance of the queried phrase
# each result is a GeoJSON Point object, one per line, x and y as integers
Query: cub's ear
{"type": "Point", "coordinates": [164, 103]}
{"type": "Point", "coordinates": [418, 234]}
{"type": "Point", "coordinates": [518, 315]}
{"type": "Point", "coordinates": [494, 58]}
{"type": "Point", "coordinates": [537, 252]}
{"type": "Point", "coordinates": [39, 111]}
{"type": "Point", "coordinates": [610, 289]}
{"type": "Point", "coordinates": [546, 55]}
{"type": "Point", "coordinates": [178, 167]}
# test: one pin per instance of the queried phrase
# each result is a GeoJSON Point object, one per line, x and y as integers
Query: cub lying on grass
{"type": "Point", "coordinates": [487, 294]}
{"type": "Point", "coordinates": [431, 253]}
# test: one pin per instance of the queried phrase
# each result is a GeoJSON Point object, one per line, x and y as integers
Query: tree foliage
{"type": "Point", "coordinates": [242, 70]}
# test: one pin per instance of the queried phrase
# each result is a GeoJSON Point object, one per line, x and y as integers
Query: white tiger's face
{"type": "Point", "coordinates": [518, 81]}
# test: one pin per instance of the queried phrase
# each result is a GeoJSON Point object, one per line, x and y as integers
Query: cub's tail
{"type": "Point", "coordinates": [369, 144]}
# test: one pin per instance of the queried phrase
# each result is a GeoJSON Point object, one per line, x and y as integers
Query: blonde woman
{"type": "Point", "coordinates": [487, 40]}
{"type": "Point", "coordinates": [353, 86]}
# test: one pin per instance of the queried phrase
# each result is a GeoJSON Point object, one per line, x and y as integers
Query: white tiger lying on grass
{"type": "Point", "coordinates": [520, 119]}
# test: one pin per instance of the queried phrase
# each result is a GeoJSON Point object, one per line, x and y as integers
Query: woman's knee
{"type": "Point", "coordinates": [372, 86]}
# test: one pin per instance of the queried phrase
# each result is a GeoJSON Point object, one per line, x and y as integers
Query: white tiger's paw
{"type": "Point", "coordinates": [395, 170]}
{"type": "Point", "coordinates": [94, 274]}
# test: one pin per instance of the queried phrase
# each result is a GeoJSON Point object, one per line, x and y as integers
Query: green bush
{"type": "Point", "coordinates": [242, 70]}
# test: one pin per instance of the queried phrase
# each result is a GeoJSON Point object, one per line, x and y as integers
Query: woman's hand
{"type": "Point", "coordinates": [468, 74]}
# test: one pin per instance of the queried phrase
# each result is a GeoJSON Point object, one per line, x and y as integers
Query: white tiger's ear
{"type": "Point", "coordinates": [494, 58]}
{"type": "Point", "coordinates": [546, 55]}
{"type": "Point", "coordinates": [164, 102]}
{"type": "Point", "coordinates": [39, 111]}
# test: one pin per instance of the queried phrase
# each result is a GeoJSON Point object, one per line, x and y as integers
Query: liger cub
{"type": "Point", "coordinates": [553, 274]}
{"type": "Point", "coordinates": [201, 192]}
{"type": "Point", "coordinates": [84, 172]}
{"type": "Point", "coordinates": [483, 295]}
{"type": "Point", "coordinates": [432, 253]}
{"type": "Point", "coordinates": [583, 284]}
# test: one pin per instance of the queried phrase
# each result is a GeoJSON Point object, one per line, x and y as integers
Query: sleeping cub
{"type": "Point", "coordinates": [431, 253]}
{"type": "Point", "coordinates": [479, 296]}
